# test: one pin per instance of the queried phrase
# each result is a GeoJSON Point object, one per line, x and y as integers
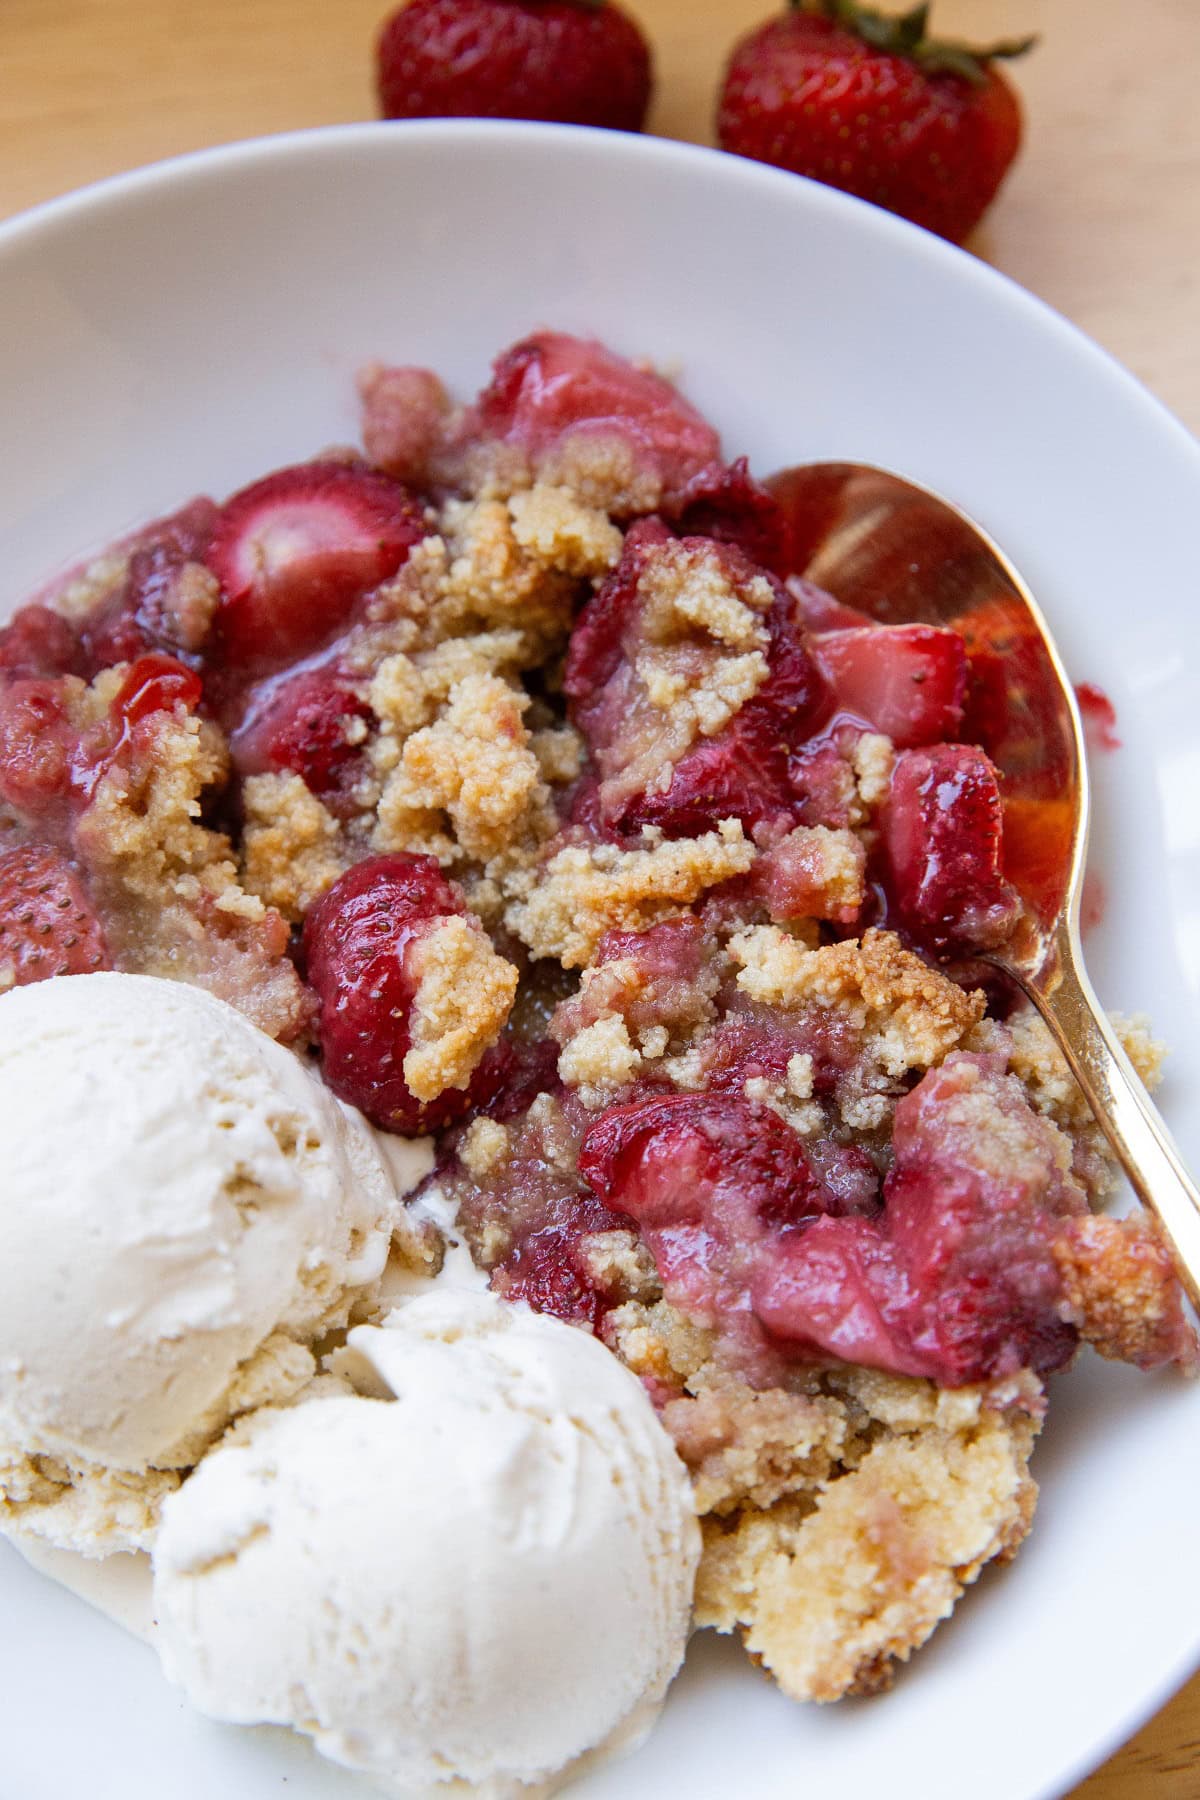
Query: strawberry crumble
{"type": "Point", "coordinates": [511, 774]}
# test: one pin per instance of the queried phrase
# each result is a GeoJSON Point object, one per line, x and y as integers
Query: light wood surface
{"type": "Point", "coordinates": [1101, 217]}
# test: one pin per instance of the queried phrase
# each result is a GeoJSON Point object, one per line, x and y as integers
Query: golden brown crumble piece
{"type": "Point", "coordinates": [600, 468]}
{"type": "Point", "coordinates": [463, 997]}
{"type": "Point", "coordinates": [292, 849]}
{"type": "Point", "coordinates": [599, 1059]}
{"type": "Point", "coordinates": [483, 1147]}
{"type": "Point", "coordinates": [816, 872]}
{"type": "Point", "coordinates": [582, 893]}
{"type": "Point", "coordinates": [469, 783]}
{"type": "Point", "coordinates": [749, 1446]}
{"type": "Point", "coordinates": [910, 1017]}
{"type": "Point", "coordinates": [873, 758]}
{"type": "Point", "coordinates": [701, 656]}
{"type": "Point", "coordinates": [486, 569]}
{"type": "Point", "coordinates": [831, 1590]}
{"type": "Point", "coordinates": [1122, 1291]}
{"type": "Point", "coordinates": [845, 1509]}
{"type": "Point", "coordinates": [168, 886]}
{"type": "Point", "coordinates": [1037, 1062]}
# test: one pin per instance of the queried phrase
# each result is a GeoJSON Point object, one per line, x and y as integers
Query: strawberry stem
{"type": "Point", "coordinates": [906, 34]}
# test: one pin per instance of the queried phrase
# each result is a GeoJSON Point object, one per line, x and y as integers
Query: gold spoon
{"type": "Point", "coordinates": [900, 554]}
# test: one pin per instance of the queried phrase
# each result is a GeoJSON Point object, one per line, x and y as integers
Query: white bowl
{"type": "Point", "coordinates": [188, 327]}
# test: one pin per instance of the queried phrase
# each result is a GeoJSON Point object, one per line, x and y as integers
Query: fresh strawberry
{"type": "Point", "coordinates": [872, 105]}
{"type": "Point", "coordinates": [908, 681]}
{"type": "Point", "coordinates": [943, 847]}
{"type": "Point", "coordinates": [578, 62]}
{"type": "Point", "coordinates": [357, 943]}
{"type": "Point", "coordinates": [47, 925]}
{"type": "Point", "coordinates": [551, 389]}
{"type": "Point", "coordinates": [304, 722]}
{"type": "Point", "coordinates": [294, 551]}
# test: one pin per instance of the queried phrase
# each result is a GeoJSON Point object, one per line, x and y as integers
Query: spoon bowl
{"type": "Point", "coordinates": [903, 555]}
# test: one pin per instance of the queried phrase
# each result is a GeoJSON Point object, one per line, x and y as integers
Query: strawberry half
{"type": "Point", "coordinates": [47, 925]}
{"type": "Point", "coordinates": [294, 551]}
{"type": "Point", "coordinates": [908, 681]}
{"type": "Point", "coordinates": [942, 842]}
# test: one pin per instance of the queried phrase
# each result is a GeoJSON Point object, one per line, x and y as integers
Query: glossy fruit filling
{"type": "Point", "coordinates": [538, 702]}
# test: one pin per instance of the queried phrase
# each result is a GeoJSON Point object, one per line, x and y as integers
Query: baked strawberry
{"type": "Point", "coordinates": [942, 842]}
{"type": "Point", "coordinates": [38, 641]}
{"type": "Point", "coordinates": [872, 105]}
{"type": "Point", "coordinates": [908, 681]}
{"type": "Point", "coordinates": [311, 722]}
{"type": "Point", "coordinates": [561, 400]}
{"type": "Point", "coordinates": [578, 62]}
{"type": "Point", "coordinates": [359, 940]}
{"type": "Point", "coordinates": [294, 551]}
{"type": "Point", "coordinates": [47, 925]}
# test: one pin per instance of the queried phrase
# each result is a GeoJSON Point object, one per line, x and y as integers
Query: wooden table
{"type": "Point", "coordinates": [1101, 217]}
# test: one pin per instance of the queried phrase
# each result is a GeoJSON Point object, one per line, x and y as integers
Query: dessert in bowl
{"type": "Point", "coordinates": [570, 739]}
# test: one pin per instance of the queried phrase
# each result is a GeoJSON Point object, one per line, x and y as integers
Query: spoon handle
{"type": "Point", "coordinates": [1129, 1119]}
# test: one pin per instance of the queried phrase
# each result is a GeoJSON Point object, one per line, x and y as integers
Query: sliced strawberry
{"type": "Point", "coordinates": [908, 681]}
{"type": "Point", "coordinates": [820, 611]}
{"type": "Point", "coordinates": [303, 722]}
{"type": "Point", "coordinates": [943, 848]}
{"type": "Point", "coordinates": [550, 387]}
{"type": "Point", "coordinates": [294, 551]}
{"type": "Point", "coordinates": [707, 1177]}
{"type": "Point", "coordinates": [47, 925]}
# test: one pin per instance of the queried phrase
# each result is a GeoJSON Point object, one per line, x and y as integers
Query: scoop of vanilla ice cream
{"type": "Point", "coordinates": [470, 1571]}
{"type": "Point", "coordinates": [185, 1210]}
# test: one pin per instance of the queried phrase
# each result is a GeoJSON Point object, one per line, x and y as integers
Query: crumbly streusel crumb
{"type": "Point", "coordinates": [169, 886]}
{"type": "Point", "coordinates": [470, 779]}
{"type": "Point", "coordinates": [874, 756]}
{"type": "Point", "coordinates": [1121, 1288]}
{"type": "Point", "coordinates": [582, 893]}
{"type": "Point", "coordinates": [831, 1590]}
{"type": "Point", "coordinates": [483, 1147]}
{"type": "Point", "coordinates": [910, 1016]}
{"type": "Point", "coordinates": [292, 851]}
{"type": "Point", "coordinates": [599, 1059]}
{"type": "Point", "coordinates": [463, 996]}
{"type": "Point", "coordinates": [551, 525]}
{"type": "Point", "coordinates": [1037, 1062]}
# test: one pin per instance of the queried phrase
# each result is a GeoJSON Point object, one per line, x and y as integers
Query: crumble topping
{"type": "Point", "coordinates": [292, 850]}
{"type": "Point", "coordinates": [830, 1592]}
{"type": "Point", "coordinates": [175, 904]}
{"type": "Point", "coordinates": [469, 783]}
{"type": "Point", "coordinates": [583, 892]}
{"type": "Point", "coordinates": [910, 1017]}
{"type": "Point", "coordinates": [843, 1512]}
{"type": "Point", "coordinates": [464, 994]}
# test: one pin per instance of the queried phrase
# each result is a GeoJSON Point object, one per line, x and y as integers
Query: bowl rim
{"type": "Point", "coordinates": [20, 233]}
{"type": "Point", "coordinates": [588, 142]}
